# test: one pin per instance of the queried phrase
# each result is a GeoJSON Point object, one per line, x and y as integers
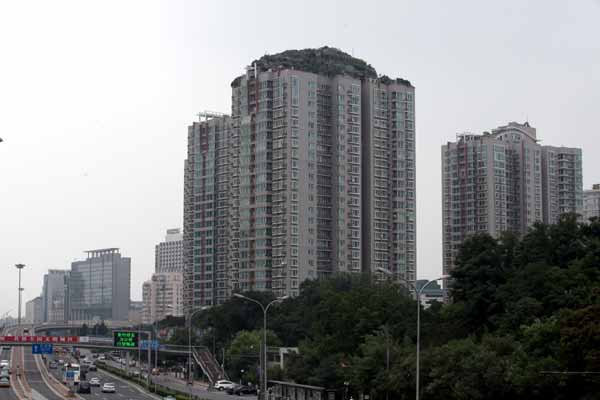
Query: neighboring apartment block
{"type": "Point", "coordinates": [162, 296]}
{"type": "Point", "coordinates": [169, 254]}
{"type": "Point", "coordinates": [591, 203]}
{"type": "Point", "coordinates": [562, 182]}
{"type": "Point", "coordinates": [312, 174]}
{"type": "Point", "coordinates": [209, 207]}
{"type": "Point", "coordinates": [504, 181]}
{"type": "Point", "coordinates": [389, 191]}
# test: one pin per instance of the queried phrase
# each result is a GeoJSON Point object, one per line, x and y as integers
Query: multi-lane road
{"type": "Point", "coordinates": [7, 393]}
{"type": "Point", "coordinates": [34, 377]}
{"type": "Point", "coordinates": [32, 374]}
{"type": "Point", "coordinates": [125, 390]}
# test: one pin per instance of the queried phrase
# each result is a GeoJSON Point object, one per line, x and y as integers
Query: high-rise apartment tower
{"type": "Point", "coordinates": [504, 181]}
{"type": "Point", "coordinates": [591, 202]}
{"type": "Point", "coordinates": [313, 173]}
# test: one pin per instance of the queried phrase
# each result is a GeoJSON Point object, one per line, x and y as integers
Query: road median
{"type": "Point", "coordinates": [49, 380]}
{"type": "Point", "coordinates": [18, 385]}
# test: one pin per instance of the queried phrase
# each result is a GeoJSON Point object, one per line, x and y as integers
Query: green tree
{"type": "Point", "coordinates": [480, 270]}
{"type": "Point", "coordinates": [244, 354]}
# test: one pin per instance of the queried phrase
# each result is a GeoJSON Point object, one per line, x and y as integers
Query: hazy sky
{"type": "Point", "coordinates": [95, 99]}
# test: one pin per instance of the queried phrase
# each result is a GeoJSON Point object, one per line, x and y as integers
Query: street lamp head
{"type": "Point", "coordinates": [20, 266]}
{"type": "Point", "coordinates": [383, 270]}
{"type": "Point", "coordinates": [239, 296]}
{"type": "Point", "coordinates": [283, 298]}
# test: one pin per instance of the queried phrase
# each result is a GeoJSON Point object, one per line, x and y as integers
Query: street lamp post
{"type": "Point", "coordinates": [19, 267]}
{"type": "Point", "coordinates": [264, 363]}
{"type": "Point", "coordinates": [190, 378]}
{"type": "Point", "coordinates": [418, 292]}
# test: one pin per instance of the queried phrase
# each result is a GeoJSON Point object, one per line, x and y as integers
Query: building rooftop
{"type": "Point", "coordinates": [325, 60]}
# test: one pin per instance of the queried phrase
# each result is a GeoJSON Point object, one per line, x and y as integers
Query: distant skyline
{"type": "Point", "coordinates": [96, 99]}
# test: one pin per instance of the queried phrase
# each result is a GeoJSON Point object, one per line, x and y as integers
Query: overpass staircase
{"type": "Point", "coordinates": [209, 364]}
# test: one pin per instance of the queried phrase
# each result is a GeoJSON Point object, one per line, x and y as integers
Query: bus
{"type": "Point", "coordinates": [76, 370]}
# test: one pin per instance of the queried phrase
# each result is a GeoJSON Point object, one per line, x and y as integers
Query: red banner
{"type": "Point", "coordinates": [40, 339]}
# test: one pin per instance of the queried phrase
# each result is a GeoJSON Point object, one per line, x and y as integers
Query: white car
{"type": "Point", "coordinates": [224, 385]}
{"type": "Point", "coordinates": [4, 363]}
{"type": "Point", "coordinates": [94, 382]}
{"type": "Point", "coordinates": [108, 388]}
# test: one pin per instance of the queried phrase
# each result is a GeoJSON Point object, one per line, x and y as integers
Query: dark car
{"type": "Point", "coordinates": [241, 390]}
{"type": "Point", "coordinates": [92, 367]}
{"type": "Point", "coordinates": [84, 387]}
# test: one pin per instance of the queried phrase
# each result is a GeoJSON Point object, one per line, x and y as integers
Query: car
{"type": "Point", "coordinates": [224, 385]}
{"type": "Point", "coordinates": [5, 373]}
{"type": "Point", "coordinates": [242, 389]}
{"type": "Point", "coordinates": [53, 365]}
{"type": "Point", "coordinates": [169, 398]}
{"type": "Point", "coordinates": [4, 382]}
{"type": "Point", "coordinates": [4, 363]}
{"type": "Point", "coordinates": [92, 367]}
{"type": "Point", "coordinates": [84, 387]}
{"type": "Point", "coordinates": [108, 388]}
{"type": "Point", "coordinates": [95, 382]}
{"type": "Point", "coordinates": [7, 348]}
{"type": "Point", "coordinates": [101, 358]}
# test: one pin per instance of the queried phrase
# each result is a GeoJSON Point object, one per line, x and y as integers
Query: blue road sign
{"type": "Point", "coordinates": [152, 343]}
{"type": "Point", "coordinates": [42, 348]}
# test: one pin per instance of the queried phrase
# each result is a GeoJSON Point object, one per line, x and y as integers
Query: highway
{"type": "Point", "coordinates": [125, 390]}
{"type": "Point", "coordinates": [34, 377]}
{"type": "Point", "coordinates": [6, 393]}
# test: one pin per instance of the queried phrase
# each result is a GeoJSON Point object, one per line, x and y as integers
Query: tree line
{"type": "Point", "coordinates": [523, 323]}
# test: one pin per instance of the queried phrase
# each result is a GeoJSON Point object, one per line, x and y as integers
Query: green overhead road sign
{"type": "Point", "coordinates": [125, 339]}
